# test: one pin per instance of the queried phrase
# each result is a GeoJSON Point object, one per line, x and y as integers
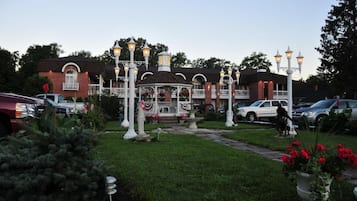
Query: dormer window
{"type": "Point", "coordinates": [71, 79]}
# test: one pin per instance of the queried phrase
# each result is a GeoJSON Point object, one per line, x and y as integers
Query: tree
{"type": "Point", "coordinates": [8, 63]}
{"type": "Point", "coordinates": [33, 85]}
{"type": "Point", "coordinates": [255, 61]}
{"type": "Point", "coordinates": [138, 54]}
{"type": "Point", "coordinates": [179, 60]}
{"type": "Point", "coordinates": [338, 48]}
{"type": "Point", "coordinates": [30, 60]}
{"type": "Point", "coordinates": [199, 63]}
{"type": "Point", "coordinates": [82, 53]}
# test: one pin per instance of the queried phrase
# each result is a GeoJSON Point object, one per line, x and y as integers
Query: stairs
{"type": "Point", "coordinates": [168, 120]}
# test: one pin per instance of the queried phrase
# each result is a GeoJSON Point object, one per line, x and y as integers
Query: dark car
{"type": "Point", "coordinates": [316, 112]}
{"type": "Point", "coordinates": [15, 110]}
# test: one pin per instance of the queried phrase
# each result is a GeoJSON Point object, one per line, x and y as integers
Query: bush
{"type": "Point", "coordinates": [53, 164]}
{"type": "Point", "coordinates": [351, 127]}
{"type": "Point", "coordinates": [213, 116]}
{"type": "Point", "coordinates": [94, 117]}
{"type": "Point", "coordinates": [335, 122]}
{"type": "Point", "coordinates": [110, 107]}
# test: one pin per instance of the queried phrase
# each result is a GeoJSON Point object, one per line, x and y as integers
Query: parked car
{"type": "Point", "coordinates": [316, 112]}
{"type": "Point", "coordinates": [203, 108]}
{"type": "Point", "coordinates": [15, 110]}
{"type": "Point", "coordinates": [261, 109]}
{"type": "Point", "coordinates": [78, 107]}
{"type": "Point", "coordinates": [64, 110]}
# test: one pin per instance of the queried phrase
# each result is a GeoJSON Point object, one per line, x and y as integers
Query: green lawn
{"type": "Point", "coordinates": [267, 137]}
{"type": "Point", "coordinates": [186, 167]}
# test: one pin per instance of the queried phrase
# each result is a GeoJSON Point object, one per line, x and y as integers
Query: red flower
{"type": "Point", "coordinates": [305, 154]}
{"type": "Point", "coordinates": [296, 143]}
{"type": "Point", "coordinates": [320, 147]}
{"type": "Point", "coordinates": [294, 153]}
{"type": "Point", "coordinates": [321, 160]}
{"type": "Point", "coordinates": [45, 87]}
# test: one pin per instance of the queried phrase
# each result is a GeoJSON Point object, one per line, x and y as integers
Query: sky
{"type": "Point", "coordinates": [225, 29]}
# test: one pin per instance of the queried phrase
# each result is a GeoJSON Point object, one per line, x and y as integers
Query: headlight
{"type": "Point", "coordinates": [25, 110]}
{"type": "Point", "coordinates": [308, 114]}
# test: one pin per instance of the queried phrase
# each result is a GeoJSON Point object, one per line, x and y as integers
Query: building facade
{"type": "Point", "coordinates": [81, 77]}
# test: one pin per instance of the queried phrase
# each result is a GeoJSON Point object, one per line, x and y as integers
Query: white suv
{"type": "Point", "coordinates": [261, 109]}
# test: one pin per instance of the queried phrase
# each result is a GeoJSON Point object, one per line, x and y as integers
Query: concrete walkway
{"type": "Point", "coordinates": [216, 136]}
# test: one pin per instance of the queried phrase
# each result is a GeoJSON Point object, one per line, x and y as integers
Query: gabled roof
{"type": "Point", "coordinates": [85, 64]}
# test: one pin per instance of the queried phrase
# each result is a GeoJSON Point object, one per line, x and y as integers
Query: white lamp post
{"type": "Point", "coordinates": [131, 68]}
{"type": "Point", "coordinates": [117, 51]}
{"type": "Point", "coordinates": [289, 71]}
{"type": "Point", "coordinates": [229, 115]}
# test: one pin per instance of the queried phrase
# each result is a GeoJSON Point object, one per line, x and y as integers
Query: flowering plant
{"type": "Point", "coordinates": [155, 116]}
{"type": "Point", "coordinates": [318, 159]}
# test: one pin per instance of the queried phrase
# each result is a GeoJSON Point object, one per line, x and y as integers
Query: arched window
{"type": "Point", "coordinates": [71, 79]}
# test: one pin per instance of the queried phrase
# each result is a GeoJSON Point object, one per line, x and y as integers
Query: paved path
{"type": "Point", "coordinates": [216, 136]}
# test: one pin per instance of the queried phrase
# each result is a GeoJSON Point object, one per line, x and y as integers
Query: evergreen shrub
{"type": "Point", "coordinates": [54, 163]}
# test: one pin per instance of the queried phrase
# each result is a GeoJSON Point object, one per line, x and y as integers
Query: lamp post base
{"type": "Point", "coordinates": [229, 120]}
{"type": "Point", "coordinates": [125, 123]}
{"type": "Point", "coordinates": [292, 132]}
{"type": "Point", "coordinates": [130, 134]}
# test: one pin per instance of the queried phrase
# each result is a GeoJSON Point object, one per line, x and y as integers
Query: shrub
{"type": "Point", "coordinates": [351, 127]}
{"type": "Point", "coordinates": [94, 117]}
{"type": "Point", "coordinates": [335, 122]}
{"type": "Point", "coordinates": [213, 116]}
{"type": "Point", "coordinates": [54, 163]}
{"type": "Point", "coordinates": [110, 106]}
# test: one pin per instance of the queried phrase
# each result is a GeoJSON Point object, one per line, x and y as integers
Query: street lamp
{"type": "Point", "coordinates": [131, 68]}
{"type": "Point", "coordinates": [229, 115]}
{"type": "Point", "coordinates": [289, 71]}
{"type": "Point", "coordinates": [117, 51]}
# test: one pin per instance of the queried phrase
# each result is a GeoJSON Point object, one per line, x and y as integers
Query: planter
{"type": "Point", "coordinates": [303, 187]}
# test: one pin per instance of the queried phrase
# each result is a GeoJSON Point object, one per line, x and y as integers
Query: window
{"type": "Point", "coordinates": [284, 103]}
{"type": "Point", "coordinates": [275, 103]}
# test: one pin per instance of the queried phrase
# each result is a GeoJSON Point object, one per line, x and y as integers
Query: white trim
{"type": "Point", "coordinates": [146, 73]}
{"type": "Point", "coordinates": [71, 64]}
{"type": "Point", "coordinates": [204, 77]}
{"type": "Point", "coordinates": [182, 75]}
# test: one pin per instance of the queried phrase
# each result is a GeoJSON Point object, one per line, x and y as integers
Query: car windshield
{"type": "Point", "coordinates": [323, 104]}
{"type": "Point", "coordinates": [256, 103]}
{"type": "Point", "coordinates": [51, 102]}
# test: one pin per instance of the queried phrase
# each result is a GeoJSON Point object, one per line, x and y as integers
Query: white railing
{"type": "Point", "coordinates": [280, 94]}
{"type": "Point", "coordinates": [198, 93]}
{"type": "Point", "coordinates": [70, 86]}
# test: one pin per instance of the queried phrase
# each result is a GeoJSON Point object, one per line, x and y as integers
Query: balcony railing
{"type": "Point", "coordinates": [74, 86]}
{"type": "Point", "coordinates": [280, 94]}
{"type": "Point", "coordinates": [196, 93]}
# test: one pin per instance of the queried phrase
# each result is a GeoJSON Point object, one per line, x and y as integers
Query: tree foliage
{"type": "Point", "coordinates": [33, 85]}
{"type": "Point", "coordinates": [179, 60]}
{"type": "Point", "coordinates": [8, 63]}
{"type": "Point", "coordinates": [338, 48]}
{"type": "Point", "coordinates": [82, 53]}
{"type": "Point", "coordinates": [255, 61]}
{"type": "Point", "coordinates": [54, 163]}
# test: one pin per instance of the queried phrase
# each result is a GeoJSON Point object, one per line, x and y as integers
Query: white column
{"type": "Point", "coordinates": [178, 100]}
{"type": "Point", "coordinates": [125, 122]}
{"type": "Point", "coordinates": [229, 121]}
{"type": "Point", "coordinates": [290, 98]}
{"type": "Point", "coordinates": [131, 131]}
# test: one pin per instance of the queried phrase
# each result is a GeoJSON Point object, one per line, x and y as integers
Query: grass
{"type": "Point", "coordinates": [266, 137]}
{"type": "Point", "coordinates": [186, 167]}
{"type": "Point", "coordinates": [115, 126]}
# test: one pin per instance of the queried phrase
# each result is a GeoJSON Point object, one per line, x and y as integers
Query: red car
{"type": "Point", "coordinates": [15, 110]}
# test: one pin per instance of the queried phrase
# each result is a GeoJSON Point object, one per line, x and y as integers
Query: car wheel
{"type": "Point", "coordinates": [251, 116]}
{"type": "Point", "coordinates": [319, 120]}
